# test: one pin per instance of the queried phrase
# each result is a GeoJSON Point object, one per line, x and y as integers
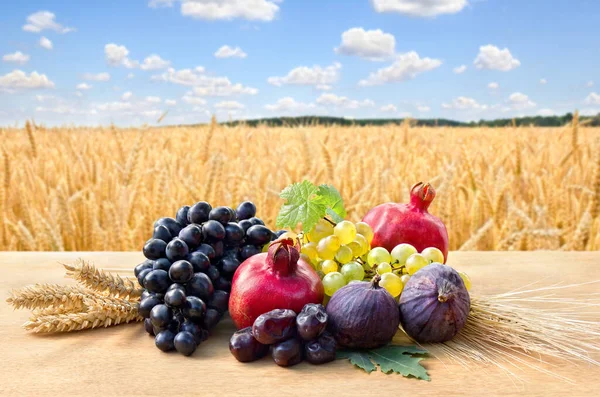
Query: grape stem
{"type": "Point", "coordinates": [330, 221]}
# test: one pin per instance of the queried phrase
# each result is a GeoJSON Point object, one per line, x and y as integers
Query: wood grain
{"type": "Point", "coordinates": [123, 360]}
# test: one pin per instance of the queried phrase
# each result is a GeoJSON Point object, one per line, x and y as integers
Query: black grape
{"type": "Point", "coordinates": [220, 214]}
{"type": "Point", "coordinates": [182, 215]}
{"type": "Point", "coordinates": [222, 284]}
{"type": "Point", "coordinates": [181, 272]}
{"type": "Point", "coordinates": [245, 225]}
{"type": "Point", "coordinates": [206, 250]}
{"type": "Point", "coordinates": [162, 264]}
{"type": "Point", "coordinates": [157, 281]}
{"type": "Point", "coordinates": [154, 249]}
{"type": "Point", "coordinates": [258, 235]}
{"type": "Point", "coordinates": [194, 329]}
{"type": "Point", "coordinates": [161, 315]}
{"type": "Point", "coordinates": [200, 286]}
{"type": "Point", "coordinates": [213, 273]}
{"type": "Point", "coordinates": [161, 232]}
{"type": "Point", "coordinates": [198, 213]}
{"type": "Point", "coordinates": [248, 251]}
{"type": "Point", "coordinates": [194, 309]}
{"type": "Point", "coordinates": [233, 214]}
{"type": "Point", "coordinates": [256, 221]}
{"type": "Point", "coordinates": [219, 248]}
{"type": "Point", "coordinates": [212, 231]}
{"type": "Point", "coordinates": [147, 264]}
{"type": "Point", "coordinates": [146, 306]}
{"type": "Point", "coordinates": [191, 235]}
{"type": "Point", "coordinates": [175, 298]}
{"type": "Point", "coordinates": [219, 301]}
{"type": "Point", "coordinates": [211, 319]}
{"type": "Point", "coordinates": [177, 250]}
{"type": "Point", "coordinates": [234, 234]}
{"type": "Point", "coordinates": [278, 234]}
{"type": "Point", "coordinates": [199, 261]}
{"type": "Point", "coordinates": [148, 326]}
{"type": "Point", "coordinates": [171, 224]}
{"type": "Point", "coordinates": [245, 210]}
{"type": "Point", "coordinates": [165, 340]}
{"type": "Point", "coordinates": [229, 266]}
{"type": "Point", "coordinates": [185, 343]}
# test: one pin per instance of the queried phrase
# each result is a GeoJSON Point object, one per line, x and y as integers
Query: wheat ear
{"type": "Point", "coordinates": [42, 296]}
{"type": "Point", "coordinates": [98, 280]}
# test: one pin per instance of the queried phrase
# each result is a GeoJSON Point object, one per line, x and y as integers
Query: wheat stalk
{"type": "Point", "coordinates": [40, 296]}
{"type": "Point", "coordinates": [98, 280]}
{"type": "Point", "coordinates": [68, 322]}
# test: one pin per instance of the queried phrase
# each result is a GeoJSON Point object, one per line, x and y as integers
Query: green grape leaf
{"type": "Point", "coordinates": [333, 201]}
{"type": "Point", "coordinates": [303, 205]}
{"type": "Point", "coordinates": [358, 358]}
{"type": "Point", "coordinates": [394, 359]}
{"type": "Point", "coordinates": [404, 360]}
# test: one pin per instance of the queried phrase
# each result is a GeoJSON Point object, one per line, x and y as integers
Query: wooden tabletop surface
{"type": "Point", "coordinates": [123, 360]}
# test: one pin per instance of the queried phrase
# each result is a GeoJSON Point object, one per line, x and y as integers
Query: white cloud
{"type": "Point", "coordinates": [96, 76]}
{"type": "Point", "coordinates": [546, 112]}
{"type": "Point", "coordinates": [289, 105]}
{"type": "Point", "coordinates": [389, 108]}
{"type": "Point", "coordinates": [464, 103]}
{"type": "Point", "coordinates": [130, 76]}
{"type": "Point", "coordinates": [590, 83]}
{"type": "Point", "coordinates": [154, 62]}
{"type": "Point", "coordinates": [423, 108]}
{"type": "Point", "coordinates": [43, 98]}
{"type": "Point", "coordinates": [519, 101]}
{"type": "Point", "coordinates": [407, 66]}
{"type": "Point", "coordinates": [160, 3]}
{"type": "Point", "coordinates": [153, 99]}
{"type": "Point", "coordinates": [460, 69]}
{"type": "Point", "coordinates": [193, 100]}
{"type": "Point", "coordinates": [324, 87]}
{"type": "Point", "coordinates": [230, 105]}
{"type": "Point", "coordinates": [370, 44]}
{"type": "Point", "coordinates": [83, 87]}
{"type": "Point", "coordinates": [420, 8]}
{"type": "Point", "coordinates": [204, 85]}
{"type": "Point", "coordinates": [17, 79]}
{"type": "Point", "coordinates": [343, 102]}
{"type": "Point", "coordinates": [543, 81]}
{"type": "Point", "coordinates": [493, 58]}
{"type": "Point", "coordinates": [116, 55]}
{"type": "Point", "coordinates": [254, 10]}
{"type": "Point", "coordinates": [16, 57]}
{"type": "Point", "coordinates": [46, 43]}
{"type": "Point", "coordinates": [170, 102]}
{"type": "Point", "coordinates": [493, 86]}
{"type": "Point", "coordinates": [114, 106]}
{"type": "Point", "coordinates": [230, 52]}
{"type": "Point", "coordinates": [44, 20]}
{"type": "Point", "coordinates": [126, 96]}
{"type": "Point", "coordinates": [303, 75]}
{"type": "Point", "coordinates": [592, 99]}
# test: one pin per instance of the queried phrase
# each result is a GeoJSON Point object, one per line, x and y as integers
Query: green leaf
{"type": "Point", "coordinates": [303, 205]}
{"type": "Point", "coordinates": [332, 199]}
{"type": "Point", "coordinates": [404, 360]}
{"type": "Point", "coordinates": [394, 359]}
{"type": "Point", "coordinates": [334, 216]}
{"type": "Point", "coordinates": [358, 358]}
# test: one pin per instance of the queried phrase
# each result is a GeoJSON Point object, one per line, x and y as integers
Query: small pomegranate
{"type": "Point", "coordinates": [394, 223]}
{"type": "Point", "coordinates": [278, 279]}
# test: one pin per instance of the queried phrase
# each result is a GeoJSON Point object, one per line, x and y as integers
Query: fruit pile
{"type": "Point", "coordinates": [292, 337]}
{"type": "Point", "coordinates": [190, 263]}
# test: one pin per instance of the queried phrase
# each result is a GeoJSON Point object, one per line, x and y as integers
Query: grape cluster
{"type": "Point", "coordinates": [334, 250]}
{"type": "Point", "coordinates": [191, 260]}
{"type": "Point", "coordinates": [398, 266]}
{"type": "Point", "coordinates": [292, 337]}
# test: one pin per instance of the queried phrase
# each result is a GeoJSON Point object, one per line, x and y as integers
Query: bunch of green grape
{"type": "Point", "coordinates": [396, 267]}
{"type": "Point", "coordinates": [334, 250]}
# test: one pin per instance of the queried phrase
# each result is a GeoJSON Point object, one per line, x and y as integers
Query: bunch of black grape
{"type": "Point", "coordinates": [191, 262]}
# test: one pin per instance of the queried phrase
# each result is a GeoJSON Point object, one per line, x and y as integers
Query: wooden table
{"type": "Point", "coordinates": [122, 360]}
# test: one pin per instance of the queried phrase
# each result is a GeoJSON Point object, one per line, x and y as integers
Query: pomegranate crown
{"type": "Point", "coordinates": [421, 195]}
{"type": "Point", "coordinates": [283, 255]}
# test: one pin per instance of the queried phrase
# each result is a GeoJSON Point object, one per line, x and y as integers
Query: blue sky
{"type": "Point", "coordinates": [95, 62]}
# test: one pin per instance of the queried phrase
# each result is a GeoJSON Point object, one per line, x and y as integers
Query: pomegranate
{"type": "Point", "coordinates": [278, 279]}
{"type": "Point", "coordinates": [394, 223]}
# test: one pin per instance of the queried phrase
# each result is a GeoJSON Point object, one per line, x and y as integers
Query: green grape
{"type": "Point", "coordinates": [332, 282]}
{"type": "Point", "coordinates": [307, 260]}
{"type": "Point", "coordinates": [378, 255]}
{"type": "Point", "coordinates": [356, 249]}
{"type": "Point", "coordinates": [346, 231]}
{"type": "Point", "coordinates": [405, 278]}
{"type": "Point", "coordinates": [320, 231]}
{"type": "Point", "coordinates": [466, 279]}
{"type": "Point", "coordinates": [344, 254]}
{"type": "Point", "coordinates": [364, 244]}
{"type": "Point", "coordinates": [329, 266]}
{"type": "Point", "coordinates": [353, 271]}
{"type": "Point", "coordinates": [310, 250]}
{"type": "Point", "coordinates": [320, 274]}
{"type": "Point", "coordinates": [364, 229]}
{"type": "Point", "coordinates": [415, 262]}
{"type": "Point", "coordinates": [265, 248]}
{"type": "Point", "coordinates": [323, 252]}
{"type": "Point", "coordinates": [401, 252]}
{"type": "Point", "coordinates": [332, 243]}
{"type": "Point", "coordinates": [433, 254]}
{"type": "Point", "coordinates": [384, 267]}
{"type": "Point", "coordinates": [392, 283]}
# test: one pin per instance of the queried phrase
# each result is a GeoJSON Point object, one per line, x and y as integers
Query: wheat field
{"type": "Point", "coordinates": [94, 189]}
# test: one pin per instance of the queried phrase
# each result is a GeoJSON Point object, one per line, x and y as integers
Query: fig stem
{"type": "Point", "coordinates": [442, 298]}
{"type": "Point", "coordinates": [375, 281]}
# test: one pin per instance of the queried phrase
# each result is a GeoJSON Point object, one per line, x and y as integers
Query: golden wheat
{"type": "Point", "coordinates": [101, 188]}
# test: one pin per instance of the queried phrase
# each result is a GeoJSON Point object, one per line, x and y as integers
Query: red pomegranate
{"type": "Point", "coordinates": [394, 223]}
{"type": "Point", "coordinates": [278, 279]}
